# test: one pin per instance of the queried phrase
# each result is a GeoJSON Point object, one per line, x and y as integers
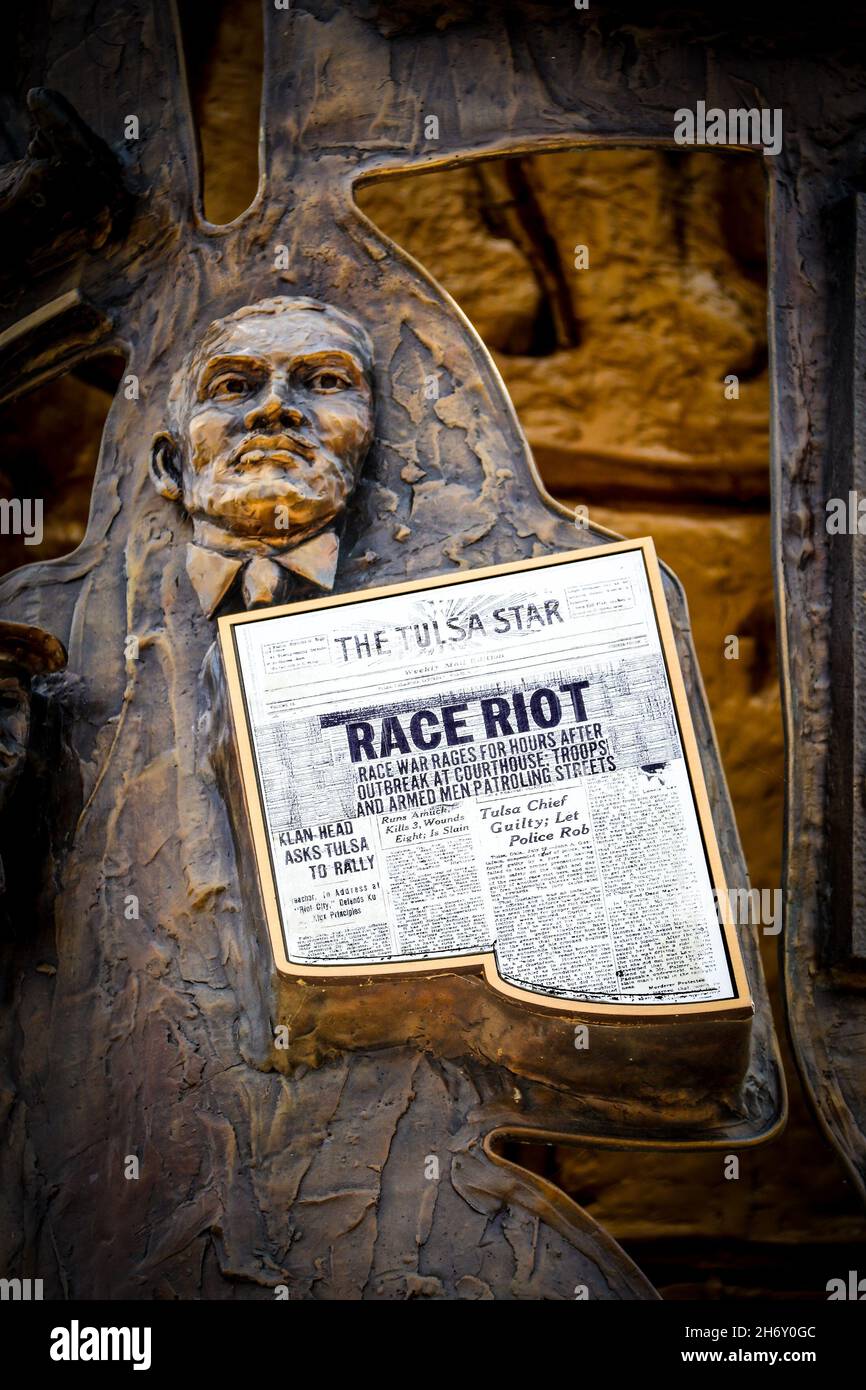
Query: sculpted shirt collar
{"type": "Point", "coordinates": [262, 577]}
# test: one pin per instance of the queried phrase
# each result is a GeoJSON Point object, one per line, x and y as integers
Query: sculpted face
{"type": "Point", "coordinates": [272, 428]}
{"type": "Point", "coordinates": [25, 652]}
{"type": "Point", "coordinates": [14, 729]}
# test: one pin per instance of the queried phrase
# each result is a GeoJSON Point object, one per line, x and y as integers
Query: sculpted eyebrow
{"type": "Point", "coordinates": [329, 357]}
{"type": "Point", "coordinates": [236, 362]}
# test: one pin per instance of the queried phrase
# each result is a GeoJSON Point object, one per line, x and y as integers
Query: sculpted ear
{"type": "Point", "coordinates": [165, 466]}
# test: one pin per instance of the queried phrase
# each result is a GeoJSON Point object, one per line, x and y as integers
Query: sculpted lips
{"type": "Point", "coordinates": [273, 448]}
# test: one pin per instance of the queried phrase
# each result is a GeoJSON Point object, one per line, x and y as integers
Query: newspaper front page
{"type": "Point", "coordinates": [493, 765]}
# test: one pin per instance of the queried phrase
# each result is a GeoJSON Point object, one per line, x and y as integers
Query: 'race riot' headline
{"type": "Point", "coordinates": [426, 728]}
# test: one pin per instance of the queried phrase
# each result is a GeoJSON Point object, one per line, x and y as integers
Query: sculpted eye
{"type": "Point", "coordinates": [327, 380]}
{"type": "Point", "coordinates": [228, 387]}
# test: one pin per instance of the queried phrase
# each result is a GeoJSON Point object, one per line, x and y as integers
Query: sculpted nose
{"type": "Point", "coordinates": [274, 409]}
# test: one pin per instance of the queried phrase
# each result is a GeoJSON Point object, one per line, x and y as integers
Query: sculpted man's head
{"type": "Point", "coordinates": [270, 418]}
{"type": "Point", "coordinates": [25, 652]}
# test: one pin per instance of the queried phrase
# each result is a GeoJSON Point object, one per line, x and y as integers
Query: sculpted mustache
{"type": "Point", "coordinates": [267, 443]}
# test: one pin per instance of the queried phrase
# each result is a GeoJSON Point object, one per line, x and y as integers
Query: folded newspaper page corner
{"type": "Point", "coordinates": [494, 771]}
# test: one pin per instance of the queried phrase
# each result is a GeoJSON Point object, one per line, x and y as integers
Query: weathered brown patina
{"type": "Point", "coordinates": [152, 1031]}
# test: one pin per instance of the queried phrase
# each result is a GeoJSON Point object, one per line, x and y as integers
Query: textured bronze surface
{"type": "Point", "coordinates": [65, 197]}
{"type": "Point", "coordinates": [25, 652]}
{"type": "Point", "coordinates": [155, 1035]}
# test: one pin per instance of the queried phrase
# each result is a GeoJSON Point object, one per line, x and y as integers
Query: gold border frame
{"type": "Point", "coordinates": [740, 1005]}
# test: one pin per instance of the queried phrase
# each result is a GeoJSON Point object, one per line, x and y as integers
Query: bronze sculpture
{"type": "Point", "coordinates": [25, 652]}
{"type": "Point", "coordinates": [271, 419]}
{"type": "Point", "coordinates": [448, 484]}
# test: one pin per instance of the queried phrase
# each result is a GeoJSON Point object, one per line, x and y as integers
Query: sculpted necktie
{"type": "Point", "coordinates": [263, 577]}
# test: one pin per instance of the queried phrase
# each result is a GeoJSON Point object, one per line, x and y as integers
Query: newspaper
{"type": "Point", "coordinates": [493, 765]}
